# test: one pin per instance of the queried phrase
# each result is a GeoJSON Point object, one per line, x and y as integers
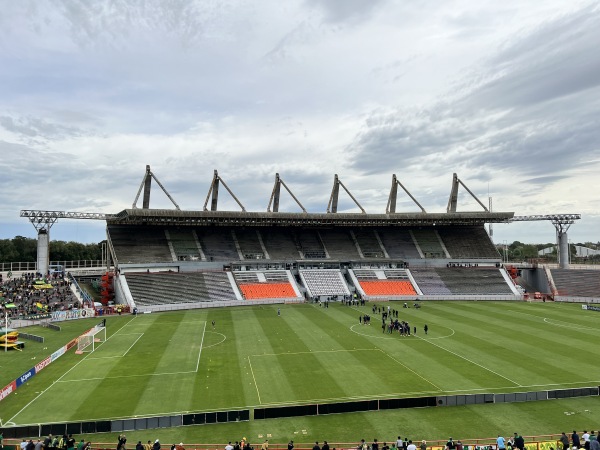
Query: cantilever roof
{"type": "Point", "coordinates": [259, 219]}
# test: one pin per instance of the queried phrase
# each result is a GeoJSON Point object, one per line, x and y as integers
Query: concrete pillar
{"type": "Point", "coordinates": [43, 251]}
{"type": "Point", "coordinates": [563, 250]}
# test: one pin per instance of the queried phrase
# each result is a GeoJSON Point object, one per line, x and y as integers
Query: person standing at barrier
{"type": "Point", "coordinates": [423, 445]}
{"type": "Point", "coordinates": [48, 442]}
{"type": "Point", "coordinates": [500, 443]}
{"type": "Point", "coordinates": [575, 440]}
{"type": "Point", "coordinates": [291, 445]}
{"type": "Point", "coordinates": [586, 440]}
{"type": "Point", "coordinates": [316, 446]}
{"type": "Point", "coordinates": [411, 446]}
{"type": "Point", "coordinates": [121, 441]}
{"type": "Point", "coordinates": [564, 440]}
{"type": "Point", "coordinates": [450, 444]}
{"type": "Point", "coordinates": [519, 442]}
{"type": "Point", "coordinates": [325, 446]}
{"type": "Point", "coordinates": [139, 446]}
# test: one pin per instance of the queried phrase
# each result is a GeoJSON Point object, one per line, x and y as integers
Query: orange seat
{"type": "Point", "coordinates": [257, 291]}
{"type": "Point", "coordinates": [388, 287]}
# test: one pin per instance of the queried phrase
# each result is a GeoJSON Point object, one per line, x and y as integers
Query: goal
{"type": "Point", "coordinates": [87, 342]}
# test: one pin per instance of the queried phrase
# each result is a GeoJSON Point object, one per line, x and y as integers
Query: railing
{"type": "Point", "coordinates": [541, 442]}
{"type": "Point", "coordinates": [31, 266]}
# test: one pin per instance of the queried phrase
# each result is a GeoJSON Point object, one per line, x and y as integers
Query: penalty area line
{"type": "Point", "coordinates": [63, 375]}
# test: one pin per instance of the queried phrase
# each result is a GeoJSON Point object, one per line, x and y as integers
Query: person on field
{"type": "Point", "coordinates": [425, 328]}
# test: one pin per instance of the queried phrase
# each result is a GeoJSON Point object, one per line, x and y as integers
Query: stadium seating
{"type": "Point", "coordinates": [576, 283]}
{"type": "Point", "coordinates": [468, 242]}
{"type": "Point", "coordinates": [429, 242]}
{"type": "Point", "coordinates": [184, 243]}
{"type": "Point", "coordinates": [267, 290]}
{"type": "Point", "coordinates": [339, 244]}
{"type": "Point", "coordinates": [310, 244]}
{"type": "Point", "coordinates": [399, 243]}
{"type": "Point", "coordinates": [164, 288]}
{"type": "Point", "coordinates": [429, 281]}
{"type": "Point", "coordinates": [218, 244]}
{"type": "Point", "coordinates": [279, 244]}
{"type": "Point", "coordinates": [324, 282]}
{"type": "Point", "coordinates": [256, 285]}
{"type": "Point", "coordinates": [138, 244]}
{"type": "Point", "coordinates": [387, 282]}
{"type": "Point", "coordinates": [388, 287]}
{"type": "Point", "coordinates": [368, 243]}
{"type": "Point", "coordinates": [249, 244]}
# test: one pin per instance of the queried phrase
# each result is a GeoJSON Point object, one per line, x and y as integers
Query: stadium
{"type": "Point", "coordinates": [244, 318]}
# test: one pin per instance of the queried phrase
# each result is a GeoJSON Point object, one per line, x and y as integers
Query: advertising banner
{"type": "Point", "coordinates": [59, 316]}
{"type": "Point", "coordinates": [26, 376]}
{"type": "Point", "coordinates": [6, 390]}
{"type": "Point", "coordinates": [39, 366]}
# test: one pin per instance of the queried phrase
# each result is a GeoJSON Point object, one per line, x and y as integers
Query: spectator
{"type": "Point", "coordinates": [575, 440]}
{"type": "Point", "coordinates": [564, 440]}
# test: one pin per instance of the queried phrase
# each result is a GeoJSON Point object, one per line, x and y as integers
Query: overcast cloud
{"type": "Point", "coordinates": [506, 94]}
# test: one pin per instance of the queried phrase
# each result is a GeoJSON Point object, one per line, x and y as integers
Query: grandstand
{"type": "Point", "coordinates": [329, 255]}
{"type": "Point", "coordinates": [280, 256]}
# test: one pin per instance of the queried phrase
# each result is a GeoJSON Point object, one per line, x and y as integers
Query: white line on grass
{"type": "Point", "coordinates": [134, 342]}
{"type": "Point", "coordinates": [201, 343]}
{"type": "Point", "coordinates": [556, 323]}
{"type": "Point", "coordinates": [56, 381]}
{"type": "Point", "coordinates": [126, 376]}
{"type": "Point", "coordinates": [472, 362]}
{"type": "Point", "coordinates": [318, 351]}
{"type": "Point", "coordinates": [408, 368]}
{"type": "Point", "coordinates": [254, 378]}
{"type": "Point", "coordinates": [220, 342]}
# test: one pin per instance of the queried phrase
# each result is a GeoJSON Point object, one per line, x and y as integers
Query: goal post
{"type": "Point", "coordinates": [87, 342]}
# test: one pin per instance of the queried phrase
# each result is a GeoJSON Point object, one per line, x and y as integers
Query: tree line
{"type": "Point", "coordinates": [22, 249]}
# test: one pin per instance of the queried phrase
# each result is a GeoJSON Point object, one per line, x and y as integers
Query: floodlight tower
{"type": "Point", "coordinates": [42, 225]}
{"type": "Point", "coordinates": [561, 222]}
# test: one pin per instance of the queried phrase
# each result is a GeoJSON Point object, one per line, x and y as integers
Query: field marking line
{"type": "Point", "coordinates": [318, 351]}
{"type": "Point", "coordinates": [126, 376]}
{"type": "Point", "coordinates": [550, 321]}
{"type": "Point", "coordinates": [201, 343]}
{"type": "Point", "coordinates": [472, 362]}
{"type": "Point", "coordinates": [104, 357]}
{"type": "Point", "coordinates": [220, 342]}
{"type": "Point", "coordinates": [411, 370]}
{"type": "Point", "coordinates": [134, 342]}
{"type": "Point", "coordinates": [64, 374]}
{"type": "Point", "coordinates": [254, 378]}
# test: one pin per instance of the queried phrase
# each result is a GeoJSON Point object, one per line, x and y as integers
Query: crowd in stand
{"type": "Point", "coordinates": [20, 297]}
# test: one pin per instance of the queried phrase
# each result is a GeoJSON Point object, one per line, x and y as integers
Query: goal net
{"type": "Point", "coordinates": [87, 342]}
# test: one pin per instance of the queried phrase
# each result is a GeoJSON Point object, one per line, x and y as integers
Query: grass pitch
{"type": "Point", "coordinates": [167, 363]}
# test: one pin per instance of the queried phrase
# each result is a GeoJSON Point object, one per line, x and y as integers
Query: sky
{"type": "Point", "coordinates": [505, 94]}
